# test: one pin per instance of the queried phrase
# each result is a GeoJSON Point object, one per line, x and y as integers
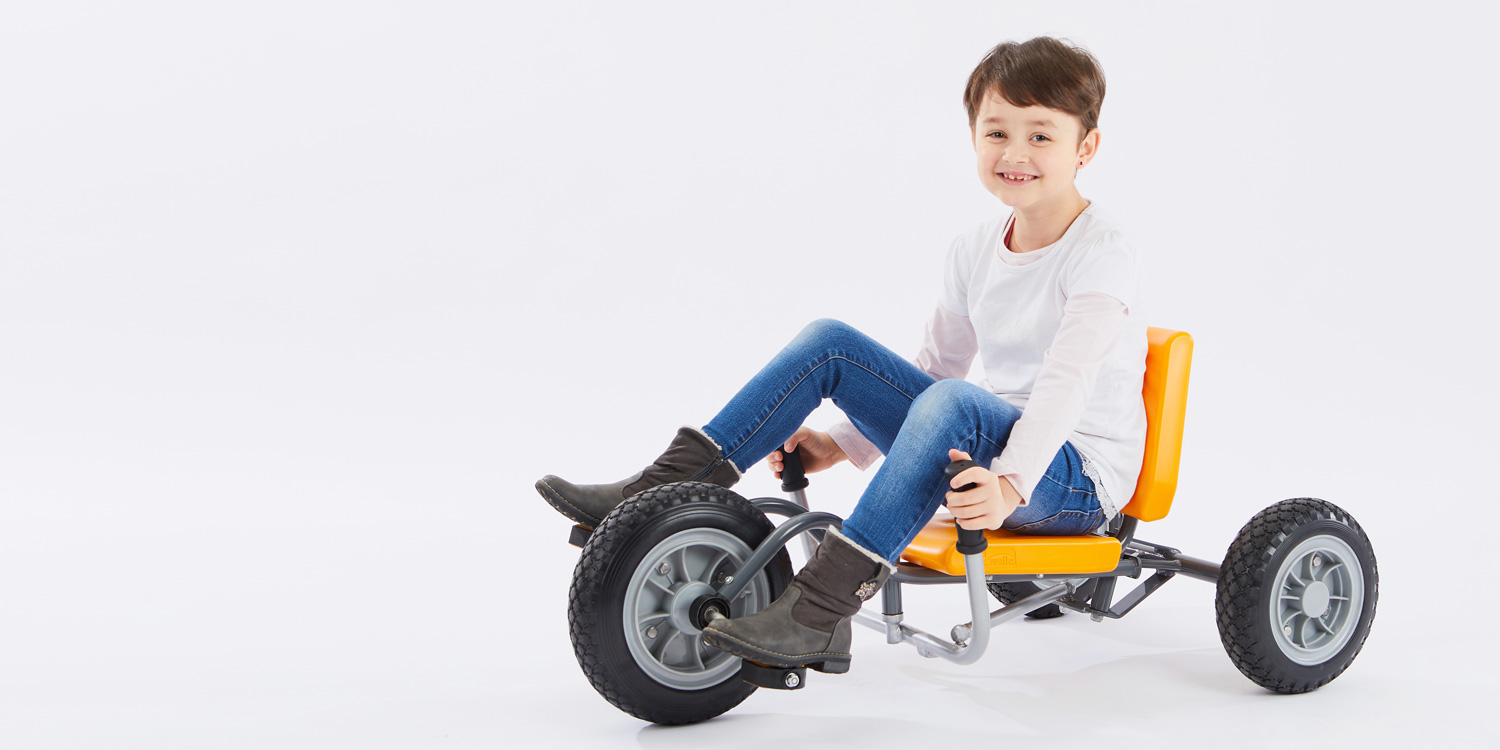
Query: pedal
{"type": "Point", "coordinates": [775, 678]}
{"type": "Point", "coordinates": [579, 536]}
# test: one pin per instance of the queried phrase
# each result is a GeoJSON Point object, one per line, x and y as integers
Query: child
{"type": "Point", "coordinates": [1048, 296]}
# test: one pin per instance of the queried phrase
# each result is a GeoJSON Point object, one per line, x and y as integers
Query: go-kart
{"type": "Point", "coordinates": [1296, 591]}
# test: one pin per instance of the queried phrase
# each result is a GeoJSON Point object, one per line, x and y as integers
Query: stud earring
{"type": "Point", "coordinates": [1080, 162]}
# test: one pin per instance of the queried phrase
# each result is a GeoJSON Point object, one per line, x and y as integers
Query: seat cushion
{"type": "Point", "coordinates": [1012, 553]}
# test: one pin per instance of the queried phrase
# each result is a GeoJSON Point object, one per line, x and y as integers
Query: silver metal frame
{"type": "Point", "coordinates": [966, 642]}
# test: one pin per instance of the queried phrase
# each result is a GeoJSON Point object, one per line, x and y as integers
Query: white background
{"type": "Point", "coordinates": [298, 299]}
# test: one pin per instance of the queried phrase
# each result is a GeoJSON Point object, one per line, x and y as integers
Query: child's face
{"type": "Point", "coordinates": [1029, 155]}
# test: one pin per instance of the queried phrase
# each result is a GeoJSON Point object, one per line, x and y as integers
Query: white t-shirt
{"type": "Point", "coordinates": [1062, 337]}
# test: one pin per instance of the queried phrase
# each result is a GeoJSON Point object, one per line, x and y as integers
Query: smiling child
{"type": "Point", "coordinates": [1047, 294]}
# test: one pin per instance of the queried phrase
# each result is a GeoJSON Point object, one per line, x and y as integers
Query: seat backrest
{"type": "Point", "coordinates": [1168, 360]}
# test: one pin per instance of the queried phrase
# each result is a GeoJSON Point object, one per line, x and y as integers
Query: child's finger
{"type": "Point", "coordinates": [976, 475]}
{"type": "Point", "coordinates": [962, 512]}
{"type": "Point", "coordinates": [964, 500]}
{"type": "Point", "coordinates": [972, 523]}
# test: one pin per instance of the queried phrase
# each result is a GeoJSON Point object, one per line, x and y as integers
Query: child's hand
{"type": "Point", "coordinates": [985, 506]}
{"type": "Point", "coordinates": [819, 451]}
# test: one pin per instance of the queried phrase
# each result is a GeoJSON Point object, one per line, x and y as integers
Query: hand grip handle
{"type": "Point", "coordinates": [793, 478]}
{"type": "Point", "coordinates": [970, 541]}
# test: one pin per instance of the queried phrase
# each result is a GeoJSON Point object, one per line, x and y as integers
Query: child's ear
{"type": "Point", "coordinates": [1089, 146]}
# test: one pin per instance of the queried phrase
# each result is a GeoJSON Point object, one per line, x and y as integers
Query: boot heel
{"type": "Point", "coordinates": [831, 666]}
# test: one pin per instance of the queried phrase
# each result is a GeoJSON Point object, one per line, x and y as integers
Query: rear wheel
{"type": "Point", "coordinates": [1296, 595]}
{"type": "Point", "coordinates": [641, 592]}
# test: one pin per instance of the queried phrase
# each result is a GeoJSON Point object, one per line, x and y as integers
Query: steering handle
{"type": "Point", "coordinates": [970, 541]}
{"type": "Point", "coordinates": [793, 477]}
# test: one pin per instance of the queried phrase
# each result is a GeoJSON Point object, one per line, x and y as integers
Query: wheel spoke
{"type": "Point", "coordinates": [663, 643]}
{"type": "Point", "coordinates": [1293, 623]}
{"type": "Point", "coordinates": [705, 555]}
{"type": "Point", "coordinates": [1338, 598]}
{"type": "Point", "coordinates": [657, 582]}
{"type": "Point", "coordinates": [654, 617]}
{"type": "Point", "coordinates": [1329, 569]}
{"type": "Point", "coordinates": [1320, 625]}
{"type": "Point", "coordinates": [694, 651]}
{"type": "Point", "coordinates": [679, 566]}
{"type": "Point", "coordinates": [1292, 574]}
{"type": "Point", "coordinates": [1303, 629]}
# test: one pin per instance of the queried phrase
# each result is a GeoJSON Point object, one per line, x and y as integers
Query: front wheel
{"type": "Point", "coordinates": [641, 593]}
{"type": "Point", "coordinates": [1296, 595]}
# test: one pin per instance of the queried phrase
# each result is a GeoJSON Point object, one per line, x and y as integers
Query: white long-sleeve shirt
{"type": "Point", "coordinates": [1076, 294]}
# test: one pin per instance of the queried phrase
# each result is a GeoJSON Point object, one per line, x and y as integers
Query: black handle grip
{"type": "Point", "coordinates": [793, 478]}
{"type": "Point", "coordinates": [970, 541]}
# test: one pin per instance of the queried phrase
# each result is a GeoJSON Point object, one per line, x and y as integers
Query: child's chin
{"type": "Point", "coordinates": [1009, 198]}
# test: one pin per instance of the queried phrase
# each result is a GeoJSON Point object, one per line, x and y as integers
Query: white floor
{"type": "Point", "coordinates": [423, 627]}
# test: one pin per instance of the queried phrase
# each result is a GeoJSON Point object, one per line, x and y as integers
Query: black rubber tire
{"type": "Point", "coordinates": [597, 596]}
{"type": "Point", "coordinates": [1244, 593]}
{"type": "Point", "coordinates": [1009, 593]}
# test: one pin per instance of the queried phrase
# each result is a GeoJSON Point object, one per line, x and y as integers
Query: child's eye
{"type": "Point", "coordinates": [996, 134]}
{"type": "Point", "coordinates": [1039, 135]}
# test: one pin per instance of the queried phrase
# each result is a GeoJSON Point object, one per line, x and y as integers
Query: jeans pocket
{"type": "Point", "coordinates": [1065, 523]}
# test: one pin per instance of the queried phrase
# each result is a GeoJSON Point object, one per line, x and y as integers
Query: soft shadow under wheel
{"type": "Point", "coordinates": [641, 590]}
{"type": "Point", "coordinates": [1296, 595]}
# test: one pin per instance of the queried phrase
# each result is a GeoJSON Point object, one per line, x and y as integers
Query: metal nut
{"type": "Point", "coordinates": [792, 680]}
{"type": "Point", "coordinates": [651, 632]}
{"type": "Point", "coordinates": [961, 633]}
{"type": "Point", "coordinates": [664, 569]}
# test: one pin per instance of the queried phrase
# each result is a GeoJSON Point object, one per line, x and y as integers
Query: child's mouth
{"type": "Point", "coordinates": [1017, 179]}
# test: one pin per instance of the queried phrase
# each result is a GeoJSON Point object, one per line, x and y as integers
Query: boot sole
{"type": "Point", "coordinates": [564, 507]}
{"type": "Point", "coordinates": [823, 661]}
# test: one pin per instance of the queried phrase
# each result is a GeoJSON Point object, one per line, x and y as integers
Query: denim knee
{"type": "Point", "coordinates": [947, 408]}
{"type": "Point", "coordinates": [824, 334]}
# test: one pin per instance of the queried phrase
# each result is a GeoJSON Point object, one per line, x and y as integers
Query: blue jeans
{"type": "Point", "coordinates": [913, 420]}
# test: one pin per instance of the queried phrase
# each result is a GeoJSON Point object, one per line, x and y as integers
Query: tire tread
{"type": "Point", "coordinates": [1246, 567]}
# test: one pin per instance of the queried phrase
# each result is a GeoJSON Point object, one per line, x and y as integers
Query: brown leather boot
{"type": "Point", "coordinates": [808, 626]}
{"type": "Point", "coordinates": [692, 457]}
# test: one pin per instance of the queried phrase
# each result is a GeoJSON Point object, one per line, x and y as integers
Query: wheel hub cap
{"type": "Point", "coordinates": [1315, 599]}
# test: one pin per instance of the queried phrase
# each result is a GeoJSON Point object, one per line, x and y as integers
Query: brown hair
{"type": "Point", "coordinates": [1045, 71]}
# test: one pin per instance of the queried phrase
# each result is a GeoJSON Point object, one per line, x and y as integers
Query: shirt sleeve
{"type": "Point", "coordinates": [1091, 326]}
{"type": "Point", "coordinates": [948, 348]}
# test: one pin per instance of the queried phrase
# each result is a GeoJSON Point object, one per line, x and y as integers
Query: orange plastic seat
{"type": "Point", "coordinates": [1012, 553]}
{"type": "Point", "coordinates": [1168, 360]}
